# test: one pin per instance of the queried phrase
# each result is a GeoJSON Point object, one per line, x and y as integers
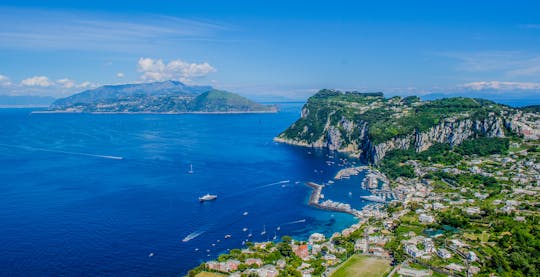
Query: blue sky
{"type": "Point", "coordinates": [272, 48]}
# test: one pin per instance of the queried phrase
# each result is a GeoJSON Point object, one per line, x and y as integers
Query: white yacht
{"type": "Point", "coordinates": [207, 197]}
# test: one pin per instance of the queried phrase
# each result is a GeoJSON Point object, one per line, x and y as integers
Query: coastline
{"type": "Point", "coordinates": [171, 113]}
{"type": "Point", "coordinates": [316, 240]}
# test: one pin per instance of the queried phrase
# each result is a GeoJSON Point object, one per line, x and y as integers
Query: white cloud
{"type": "Point", "coordinates": [4, 80]}
{"type": "Point", "coordinates": [498, 85]}
{"type": "Point", "coordinates": [86, 84]}
{"type": "Point", "coordinates": [37, 81]}
{"type": "Point", "coordinates": [67, 83]}
{"type": "Point", "coordinates": [157, 70]}
{"type": "Point", "coordinates": [120, 75]}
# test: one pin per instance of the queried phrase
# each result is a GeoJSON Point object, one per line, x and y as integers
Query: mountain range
{"type": "Point", "coordinates": [157, 97]}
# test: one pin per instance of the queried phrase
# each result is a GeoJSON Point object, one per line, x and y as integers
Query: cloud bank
{"type": "Point", "coordinates": [157, 70]}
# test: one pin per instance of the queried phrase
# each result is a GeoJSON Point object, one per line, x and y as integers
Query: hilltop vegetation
{"type": "Point", "coordinates": [369, 125]}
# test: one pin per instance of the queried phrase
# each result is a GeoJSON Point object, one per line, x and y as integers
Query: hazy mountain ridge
{"type": "Point", "coordinates": [158, 97]}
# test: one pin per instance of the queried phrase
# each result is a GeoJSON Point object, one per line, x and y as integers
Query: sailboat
{"type": "Point", "coordinates": [275, 235]}
{"type": "Point", "coordinates": [190, 171]}
{"type": "Point", "coordinates": [264, 231]}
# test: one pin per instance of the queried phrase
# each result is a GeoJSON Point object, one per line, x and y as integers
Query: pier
{"type": "Point", "coordinates": [328, 204]}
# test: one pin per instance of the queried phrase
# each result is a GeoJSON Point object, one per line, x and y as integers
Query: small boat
{"type": "Point", "coordinates": [278, 228]}
{"type": "Point", "coordinates": [228, 236]}
{"type": "Point", "coordinates": [350, 193]}
{"type": "Point", "coordinates": [151, 255]}
{"type": "Point", "coordinates": [190, 171]}
{"type": "Point", "coordinates": [250, 235]}
{"type": "Point", "coordinates": [207, 197]}
{"type": "Point", "coordinates": [213, 244]}
{"type": "Point", "coordinates": [196, 249]}
{"type": "Point", "coordinates": [264, 231]}
{"type": "Point", "coordinates": [244, 229]}
{"type": "Point", "coordinates": [245, 213]}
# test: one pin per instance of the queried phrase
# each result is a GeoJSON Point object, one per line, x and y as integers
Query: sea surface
{"type": "Point", "coordinates": [110, 195]}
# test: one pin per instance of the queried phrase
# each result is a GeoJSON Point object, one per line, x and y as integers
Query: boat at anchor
{"type": "Point", "coordinates": [207, 197]}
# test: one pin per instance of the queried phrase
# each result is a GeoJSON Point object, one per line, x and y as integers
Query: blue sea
{"type": "Point", "coordinates": [70, 206]}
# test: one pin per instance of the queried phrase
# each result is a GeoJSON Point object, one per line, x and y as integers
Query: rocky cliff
{"type": "Point", "coordinates": [369, 125]}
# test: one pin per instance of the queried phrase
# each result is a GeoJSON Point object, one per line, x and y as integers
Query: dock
{"type": "Point", "coordinates": [328, 204]}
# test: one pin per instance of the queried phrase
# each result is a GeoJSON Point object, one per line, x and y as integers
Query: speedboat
{"type": "Point", "coordinates": [207, 197]}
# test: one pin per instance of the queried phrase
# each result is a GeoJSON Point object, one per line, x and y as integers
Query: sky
{"type": "Point", "coordinates": [282, 49]}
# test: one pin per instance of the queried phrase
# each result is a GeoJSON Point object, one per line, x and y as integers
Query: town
{"type": "Point", "coordinates": [465, 215]}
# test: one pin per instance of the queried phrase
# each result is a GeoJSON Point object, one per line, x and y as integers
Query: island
{"type": "Point", "coordinates": [170, 97]}
{"type": "Point", "coordinates": [455, 188]}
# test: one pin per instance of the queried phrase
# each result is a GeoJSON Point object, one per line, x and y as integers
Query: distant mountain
{"type": "Point", "coordinates": [158, 97]}
{"type": "Point", "coordinates": [25, 101]}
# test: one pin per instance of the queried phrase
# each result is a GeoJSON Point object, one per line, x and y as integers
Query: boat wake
{"type": "Point", "coordinates": [295, 222]}
{"type": "Point", "coordinates": [257, 188]}
{"type": "Point", "coordinates": [192, 236]}
{"type": "Point", "coordinates": [63, 152]}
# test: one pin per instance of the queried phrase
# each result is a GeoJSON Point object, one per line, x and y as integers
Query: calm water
{"type": "Point", "coordinates": [68, 209]}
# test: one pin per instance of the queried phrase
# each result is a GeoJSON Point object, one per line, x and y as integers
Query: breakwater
{"type": "Point", "coordinates": [328, 204]}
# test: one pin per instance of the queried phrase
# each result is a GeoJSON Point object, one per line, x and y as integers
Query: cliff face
{"type": "Point", "coordinates": [372, 127]}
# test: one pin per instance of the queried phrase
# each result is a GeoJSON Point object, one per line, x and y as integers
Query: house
{"type": "Point", "coordinates": [426, 219]}
{"type": "Point", "coordinates": [265, 271]}
{"type": "Point", "coordinates": [378, 251]}
{"type": "Point", "coordinates": [413, 251]}
{"type": "Point", "coordinates": [253, 261]}
{"type": "Point", "coordinates": [455, 267]}
{"type": "Point", "coordinates": [301, 251]}
{"type": "Point", "coordinates": [443, 253]}
{"type": "Point", "coordinates": [473, 210]}
{"type": "Point", "coordinates": [330, 259]}
{"type": "Point", "coordinates": [316, 249]}
{"type": "Point", "coordinates": [429, 246]}
{"type": "Point", "coordinates": [472, 256]}
{"type": "Point", "coordinates": [361, 245]}
{"type": "Point", "coordinates": [316, 238]}
{"type": "Point", "coordinates": [281, 263]}
{"type": "Point", "coordinates": [227, 266]}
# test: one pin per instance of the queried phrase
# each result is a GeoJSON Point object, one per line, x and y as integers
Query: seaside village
{"type": "Point", "coordinates": [421, 226]}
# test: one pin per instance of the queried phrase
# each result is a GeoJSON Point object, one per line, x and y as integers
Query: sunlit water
{"type": "Point", "coordinates": [70, 206]}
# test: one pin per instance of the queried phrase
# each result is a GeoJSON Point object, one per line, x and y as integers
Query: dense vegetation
{"type": "Point", "coordinates": [386, 118]}
{"type": "Point", "coordinates": [394, 163]}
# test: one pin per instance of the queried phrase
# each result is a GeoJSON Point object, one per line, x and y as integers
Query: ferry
{"type": "Point", "coordinates": [207, 197]}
